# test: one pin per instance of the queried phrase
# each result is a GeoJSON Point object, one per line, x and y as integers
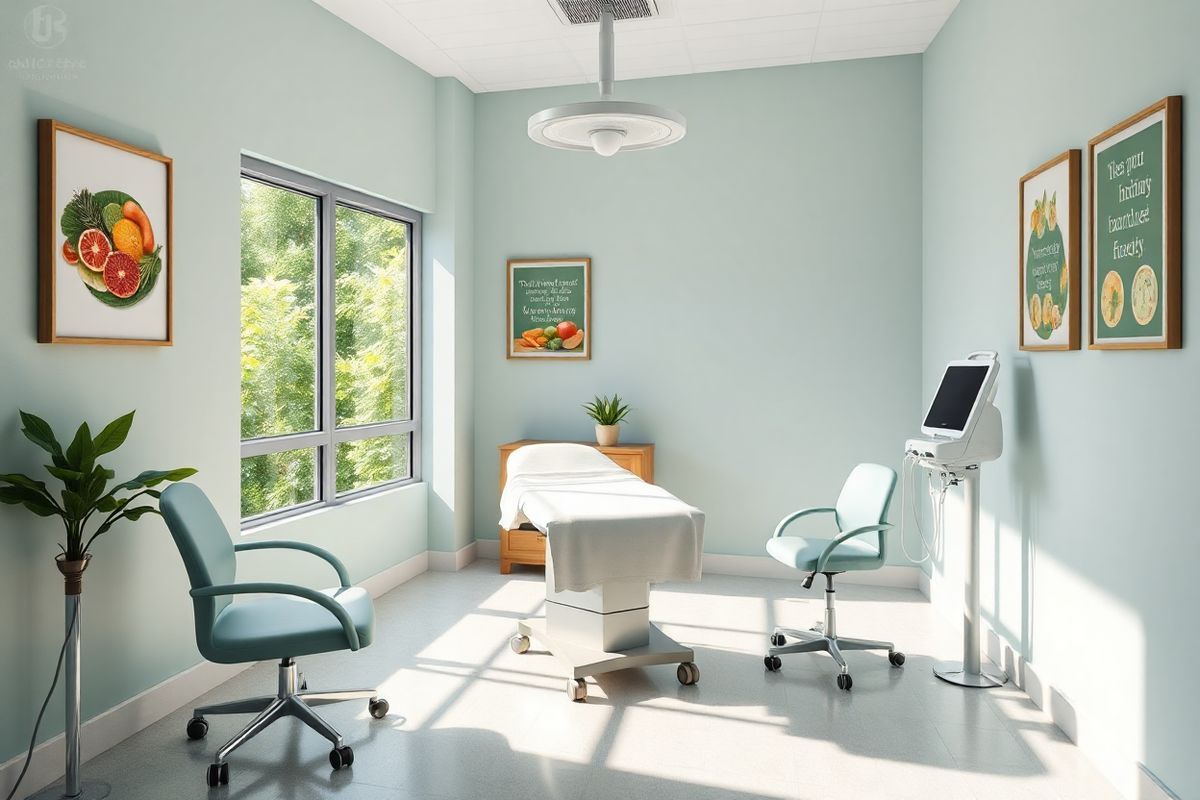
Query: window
{"type": "Point", "coordinates": [330, 377]}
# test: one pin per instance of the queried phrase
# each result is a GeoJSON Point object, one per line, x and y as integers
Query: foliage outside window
{"type": "Point", "coordinates": [328, 350]}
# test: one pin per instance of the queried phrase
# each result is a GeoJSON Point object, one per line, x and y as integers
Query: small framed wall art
{"type": "Point", "coordinates": [1049, 255]}
{"type": "Point", "coordinates": [549, 309]}
{"type": "Point", "coordinates": [104, 240]}
{"type": "Point", "coordinates": [1135, 210]}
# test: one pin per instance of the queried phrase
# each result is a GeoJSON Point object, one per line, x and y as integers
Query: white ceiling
{"type": "Point", "coordinates": [496, 45]}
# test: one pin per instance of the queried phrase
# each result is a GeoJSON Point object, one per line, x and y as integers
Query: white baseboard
{"type": "Point", "coordinates": [764, 567]}
{"type": "Point", "coordinates": [1151, 788]}
{"type": "Point", "coordinates": [118, 723]}
{"type": "Point", "coordinates": [452, 562]}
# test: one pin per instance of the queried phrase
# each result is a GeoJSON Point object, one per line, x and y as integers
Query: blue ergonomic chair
{"type": "Point", "coordinates": [860, 544]}
{"type": "Point", "coordinates": [291, 621]}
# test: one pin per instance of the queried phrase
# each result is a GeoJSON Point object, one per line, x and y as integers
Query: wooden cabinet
{"type": "Point", "coordinates": [525, 546]}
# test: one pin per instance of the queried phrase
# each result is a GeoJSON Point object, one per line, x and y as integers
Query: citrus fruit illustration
{"type": "Point", "coordinates": [112, 241]}
{"type": "Point", "coordinates": [95, 280]}
{"type": "Point", "coordinates": [112, 214]}
{"type": "Point", "coordinates": [127, 237]}
{"type": "Point", "coordinates": [1112, 299]}
{"type": "Point", "coordinates": [1056, 317]}
{"type": "Point", "coordinates": [1035, 311]}
{"type": "Point", "coordinates": [93, 249]}
{"type": "Point", "coordinates": [122, 274]}
{"type": "Point", "coordinates": [1143, 294]}
{"type": "Point", "coordinates": [1064, 279]}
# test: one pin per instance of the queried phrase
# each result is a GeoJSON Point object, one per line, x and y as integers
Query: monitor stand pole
{"type": "Point", "coordinates": [971, 671]}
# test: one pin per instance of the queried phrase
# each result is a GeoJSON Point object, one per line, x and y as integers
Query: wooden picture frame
{"type": "Point", "coordinates": [119, 290]}
{"type": "Point", "coordinates": [1136, 183]}
{"type": "Point", "coordinates": [545, 293]}
{"type": "Point", "coordinates": [1048, 257]}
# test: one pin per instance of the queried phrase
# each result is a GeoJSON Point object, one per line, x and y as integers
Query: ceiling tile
{"type": "Point", "coordinates": [499, 45]}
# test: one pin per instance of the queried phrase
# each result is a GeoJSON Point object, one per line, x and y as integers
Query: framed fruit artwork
{"type": "Point", "coordinates": [1135, 208]}
{"type": "Point", "coordinates": [549, 309]}
{"type": "Point", "coordinates": [104, 240]}
{"type": "Point", "coordinates": [1049, 255]}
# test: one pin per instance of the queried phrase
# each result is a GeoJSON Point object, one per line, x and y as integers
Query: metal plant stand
{"type": "Point", "coordinates": [73, 788]}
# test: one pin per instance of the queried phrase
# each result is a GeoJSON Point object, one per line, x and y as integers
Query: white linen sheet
{"type": "Point", "coordinates": [602, 523]}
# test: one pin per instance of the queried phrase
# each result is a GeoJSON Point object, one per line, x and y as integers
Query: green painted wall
{"type": "Point", "coordinates": [736, 274]}
{"type": "Point", "coordinates": [200, 82]}
{"type": "Point", "coordinates": [1090, 548]}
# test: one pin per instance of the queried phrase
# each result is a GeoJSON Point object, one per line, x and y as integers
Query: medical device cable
{"type": "Point", "coordinates": [937, 499]}
{"type": "Point", "coordinates": [38, 723]}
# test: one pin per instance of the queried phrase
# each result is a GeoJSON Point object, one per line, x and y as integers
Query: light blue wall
{"type": "Point", "coordinates": [449, 322]}
{"type": "Point", "coordinates": [736, 274]}
{"type": "Point", "coordinates": [200, 82]}
{"type": "Point", "coordinates": [1090, 545]}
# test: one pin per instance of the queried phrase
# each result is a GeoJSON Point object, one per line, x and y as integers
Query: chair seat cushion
{"type": "Point", "coordinates": [856, 554]}
{"type": "Point", "coordinates": [281, 626]}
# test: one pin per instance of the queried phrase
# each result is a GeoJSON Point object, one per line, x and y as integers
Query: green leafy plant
{"type": "Point", "coordinates": [85, 490]}
{"type": "Point", "coordinates": [606, 411]}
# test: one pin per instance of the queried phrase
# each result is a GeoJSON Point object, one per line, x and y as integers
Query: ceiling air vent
{"type": "Point", "coordinates": [587, 12]}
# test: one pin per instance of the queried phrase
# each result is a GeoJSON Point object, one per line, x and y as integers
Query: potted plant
{"type": "Point", "coordinates": [608, 415]}
{"type": "Point", "coordinates": [85, 502]}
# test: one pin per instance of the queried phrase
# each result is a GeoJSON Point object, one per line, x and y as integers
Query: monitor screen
{"type": "Point", "coordinates": [955, 398]}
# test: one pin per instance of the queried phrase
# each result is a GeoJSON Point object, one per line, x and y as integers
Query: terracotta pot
{"type": "Point", "coordinates": [72, 572]}
{"type": "Point", "coordinates": [607, 435]}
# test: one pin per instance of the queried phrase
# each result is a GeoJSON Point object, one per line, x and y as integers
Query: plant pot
{"type": "Point", "coordinates": [607, 435]}
{"type": "Point", "coordinates": [72, 572]}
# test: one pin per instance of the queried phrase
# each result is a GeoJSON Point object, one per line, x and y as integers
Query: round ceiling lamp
{"type": "Point", "coordinates": [607, 126]}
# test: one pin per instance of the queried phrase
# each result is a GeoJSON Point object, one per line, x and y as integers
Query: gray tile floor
{"type": "Point", "coordinates": [471, 719]}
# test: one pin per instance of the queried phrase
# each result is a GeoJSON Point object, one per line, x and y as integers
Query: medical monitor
{"type": "Point", "coordinates": [963, 392]}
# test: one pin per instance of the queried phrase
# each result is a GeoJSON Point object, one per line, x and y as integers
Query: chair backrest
{"type": "Point", "coordinates": [865, 498]}
{"type": "Point", "coordinates": [206, 548]}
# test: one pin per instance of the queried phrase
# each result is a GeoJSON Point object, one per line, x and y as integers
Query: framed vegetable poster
{"type": "Point", "coordinates": [1135, 206]}
{"type": "Point", "coordinates": [1049, 255]}
{"type": "Point", "coordinates": [549, 308]}
{"type": "Point", "coordinates": [104, 240]}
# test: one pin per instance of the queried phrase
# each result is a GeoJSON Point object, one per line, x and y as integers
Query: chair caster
{"type": "Point", "coordinates": [896, 658]}
{"type": "Point", "coordinates": [688, 673]}
{"type": "Point", "coordinates": [378, 707]}
{"type": "Point", "coordinates": [778, 640]}
{"type": "Point", "coordinates": [844, 681]}
{"type": "Point", "coordinates": [576, 689]}
{"type": "Point", "coordinates": [341, 757]}
{"type": "Point", "coordinates": [218, 774]}
{"type": "Point", "coordinates": [197, 728]}
{"type": "Point", "coordinates": [773, 663]}
{"type": "Point", "coordinates": [519, 644]}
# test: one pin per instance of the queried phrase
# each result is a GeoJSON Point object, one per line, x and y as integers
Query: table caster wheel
{"type": "Point", "coordinates": [688, 673]}
{"type": "Point", "coordinates": [773, 663]}
{"type": "Point", "coordinates": [576, 689]}
{"type": "Point", "coordinates": [844, 681]}
{"type": "Point", "coordinates": [896, 658]}
{"type": "Point", "coordinates": [378, 707]}
{"type": "Point", "coordinates": [519, 644]}
{"type": "Point", "coordinates": [778, 640]}
{"type": "Point", "coordinates": [218, 774]}
{"type": "Point", "coordinates": [197, 728]}
{"type": "Point", "coordinates": [341, 757]}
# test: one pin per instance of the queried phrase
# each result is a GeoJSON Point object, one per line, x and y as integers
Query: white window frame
{"type": "Point", "coordinates": [327, 436]}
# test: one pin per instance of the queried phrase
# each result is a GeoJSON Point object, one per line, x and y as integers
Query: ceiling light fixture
{"type": "Point", "coordinates": [607, 126]}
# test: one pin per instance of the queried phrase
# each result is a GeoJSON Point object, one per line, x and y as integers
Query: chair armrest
{"type": "Point", "coordinates": [795, 515]}
{"type": "Point", "coordinates": [841, 537]}
{"type": "Point", "coordinates": [323, 600]}
{"type": "Point", "coordinates": [320, 552]}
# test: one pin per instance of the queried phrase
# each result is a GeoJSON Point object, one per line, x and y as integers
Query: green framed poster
{"type": "Point", "coordinates": [1135, 210]}
{"type": "Point", "coordinates": [1049, 255]}
{"type": "Point", "coordinates": [549, 309]}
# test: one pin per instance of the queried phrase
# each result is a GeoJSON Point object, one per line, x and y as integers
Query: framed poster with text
{"type": "Point", "coordinates": [1135, 210]}
{"type": "Point", "coordinates": [1049, 255]}
{"type": "Point", "coordinates": [549, 309]}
